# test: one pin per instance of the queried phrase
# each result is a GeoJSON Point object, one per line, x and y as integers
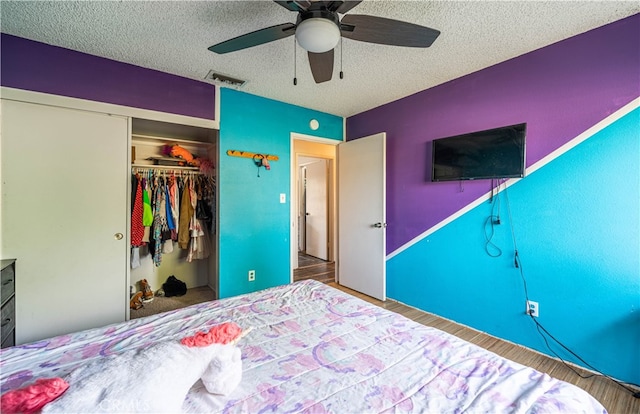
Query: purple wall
{"type": "Point", "coordinates": [560, 91]}
{"type": "Point", "coordinates": [35, 66]}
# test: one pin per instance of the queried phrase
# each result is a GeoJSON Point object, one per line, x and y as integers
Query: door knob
{"type": "Point", "coordinates": [118, 236]}
{"type": "Point", "coordinates": [380, 225]}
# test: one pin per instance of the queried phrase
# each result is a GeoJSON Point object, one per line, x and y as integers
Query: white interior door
{"type": "Point", "coordinates": [316, 231]}
{"type": "Point", "coordinates": [361, 215]}
{"type": "Point", "coordinates": [64, 217]}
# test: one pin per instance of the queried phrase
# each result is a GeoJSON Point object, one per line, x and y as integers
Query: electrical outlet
{"type": "Point", "coordinates": [532, 308]}
{"type": "Point", "coordinates": [252, 275]}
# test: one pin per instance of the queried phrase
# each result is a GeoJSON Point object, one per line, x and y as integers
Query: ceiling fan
{"type": "Point", "coordinates": [319, 27]}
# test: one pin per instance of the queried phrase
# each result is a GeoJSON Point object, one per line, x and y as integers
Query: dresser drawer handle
{"type": "Point", "coordinates": [6, 322]}
{"type": "Point", "coordinates": [6, 282]}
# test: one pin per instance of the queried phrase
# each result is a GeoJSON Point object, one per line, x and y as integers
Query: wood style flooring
{"type": "Point", "coordinates": [310, 267]}
{"type": "Point", "coordinates": [614, 398]}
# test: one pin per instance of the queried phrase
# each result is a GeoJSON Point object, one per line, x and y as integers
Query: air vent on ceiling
{"type": "Point", "coordinates": [224, 80]}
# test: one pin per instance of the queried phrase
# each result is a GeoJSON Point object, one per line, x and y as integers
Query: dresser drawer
{"type": "Point", "coordinates": [9, 341]}
{"type": "Point", "coordinates": [8, 319]}
{"type": "Point", "coordinates": [7, 283]}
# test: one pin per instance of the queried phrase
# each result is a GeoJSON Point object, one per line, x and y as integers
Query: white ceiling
{"type": "Point", "coordinates": [173, 36]}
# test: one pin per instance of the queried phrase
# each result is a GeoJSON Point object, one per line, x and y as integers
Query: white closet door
{"type": "Point", "coordinates": [64, 217]}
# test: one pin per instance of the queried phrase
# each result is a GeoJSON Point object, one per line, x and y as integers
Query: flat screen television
{"type": "Point", "coordinates": [494, 153]}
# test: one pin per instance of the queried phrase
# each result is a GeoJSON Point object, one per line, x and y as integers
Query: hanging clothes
{"type": "Point", "coordinates": [174, 202]}
{"type": "Point", "coordinates": [212, 206]}
{"type": "Point", "coordinates": [135, 257]}
{"type": "Point", "coordinates": [147, 212]}
{"type": "Point", "coordinates": [157, 223]}
{"type": "Point", "coordinates": [199, 243]}
{"type": "Point", "coordinates": [167, 243]}
{"type": "Point", "coordinates": [162, 210]}
{"type": "Point", "coordinates": [172, 208]}
{"type": "Point", "coordinates": [186, 212]}
{"type": "Point", "coordinates": [168, 213]}
{"type": "Point", "coordinates": [137, 229]}
{"type": "Point", "coordinates": [205, 211]}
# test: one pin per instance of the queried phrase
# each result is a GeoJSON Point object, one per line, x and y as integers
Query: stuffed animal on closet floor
{"type": "Point", "coordinates": [136, 301]}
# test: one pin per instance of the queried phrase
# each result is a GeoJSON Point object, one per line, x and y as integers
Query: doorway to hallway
{"type": "Point", "coordinates": [313, 234]}
{"type": "Point", "coordinates": [310, 267]}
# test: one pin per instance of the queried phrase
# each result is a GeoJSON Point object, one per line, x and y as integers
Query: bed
{"type": "Point", "coordinates": [315, 349]}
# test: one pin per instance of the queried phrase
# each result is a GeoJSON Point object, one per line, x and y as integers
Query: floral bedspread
{"type": "Point", "coordinates": [315, 349]}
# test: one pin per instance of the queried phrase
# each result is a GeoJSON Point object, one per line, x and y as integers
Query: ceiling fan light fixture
{"type": "Point", "coordinates": [317, 34]}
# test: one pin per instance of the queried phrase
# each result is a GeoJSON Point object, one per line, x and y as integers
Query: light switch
{"type": "Point", "coordinates": [283, 198]}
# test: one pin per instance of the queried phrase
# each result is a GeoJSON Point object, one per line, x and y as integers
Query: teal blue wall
{"type": "Point", "coordinates": [576, 222]}
{"type": "Point", "coordinates": [254, 225]}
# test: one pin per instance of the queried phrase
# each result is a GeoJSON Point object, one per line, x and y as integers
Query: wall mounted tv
{"type": "Point", "coordinates": [494, 153]}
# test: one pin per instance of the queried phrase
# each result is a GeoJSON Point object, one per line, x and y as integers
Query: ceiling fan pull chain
{"type": "Point", "coordinates": [341, 74]}
{"type": "Point", "coordinates": [295, 79]}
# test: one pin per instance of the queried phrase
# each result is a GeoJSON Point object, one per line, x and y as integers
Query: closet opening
{"type": "Point", "coordinates": [173, 217]}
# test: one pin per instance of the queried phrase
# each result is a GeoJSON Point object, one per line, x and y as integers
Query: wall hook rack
{"type": "Point", "coordinates": [247, 154]}
{"type": "Point", "coordinates": [260, 160]}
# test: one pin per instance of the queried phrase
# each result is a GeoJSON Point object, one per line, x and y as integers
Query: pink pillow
{"type": "Point", "coordinates": [33, 397]}
{"type": "Point", "coordinates": [219, 334]}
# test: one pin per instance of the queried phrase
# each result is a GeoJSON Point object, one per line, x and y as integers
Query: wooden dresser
{"type": "Point", "coordinates": [7, 291]}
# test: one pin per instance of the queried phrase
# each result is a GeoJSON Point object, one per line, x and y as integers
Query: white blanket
{"type": "Point", "coordinates": [154, 379]}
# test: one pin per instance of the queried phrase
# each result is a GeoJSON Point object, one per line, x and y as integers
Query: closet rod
{"type": "Point", "coordinates": [165, 167]}
{"type": "Point", "coordinates": [168, 171]}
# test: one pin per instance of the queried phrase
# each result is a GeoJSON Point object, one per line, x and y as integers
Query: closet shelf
{"type": "Point", "coordinates": [147, 152]}
{"type": "Point", "coordinates": [161, 141]}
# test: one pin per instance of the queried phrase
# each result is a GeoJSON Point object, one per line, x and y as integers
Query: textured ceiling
{"type": "Point", "coordinates": [173, 36]}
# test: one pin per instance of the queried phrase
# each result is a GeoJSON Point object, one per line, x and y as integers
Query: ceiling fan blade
{"type": "Point", "coordinates": [321, 65]}
{"type": "Point", "coordinates": [342, 6]}
{"type": "Point", "coordinates": [266, 35]}
{"type": "Point", "coordinates": [384, 31]}
{"type": "Point", "coordinates": [296, 6]}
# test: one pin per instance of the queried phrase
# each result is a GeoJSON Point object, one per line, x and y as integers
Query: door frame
{"type": "Point", "coordinates": [293, 196]}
